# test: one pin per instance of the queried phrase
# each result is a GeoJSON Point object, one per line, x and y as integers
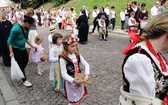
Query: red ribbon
{"type": "Point", "coordinates": [135, 39]}
{"type": "Point", "coordinates": [158, 56]}
{"type": "Point", "coordinates": [165, 101]}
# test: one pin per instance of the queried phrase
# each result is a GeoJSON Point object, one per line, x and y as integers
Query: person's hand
{"type": "Point", "coordinates": [145, 17]}
{"type": "Point", "coordinates": [35, 48]}
{"type": "Point", "coordinates": [78, 81]}
{"type": "Point", "coordinates": [86, 77]}
{"type": "Point", "coordinates": [11, 54]}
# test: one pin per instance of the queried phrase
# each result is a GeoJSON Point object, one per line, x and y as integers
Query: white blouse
{"type": "Point", "coordinates": [131, 21]}
{"type": "Point", "coordinates": [54, 53]}
{"type": "Point", "coordinates": [74, 59]}
{"type": "Point", "coordinates": [139, 72]}
{"type": "Point", "coordinates": [50, 40]}
{"type": "Point", "coordinates": [101, 24]}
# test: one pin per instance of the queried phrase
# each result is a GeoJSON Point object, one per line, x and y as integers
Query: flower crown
{"type": "Point", "coordinates": [70, 40]}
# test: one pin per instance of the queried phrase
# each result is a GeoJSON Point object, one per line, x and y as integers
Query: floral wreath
{"type": "Point", "coordinates": [70, 40]}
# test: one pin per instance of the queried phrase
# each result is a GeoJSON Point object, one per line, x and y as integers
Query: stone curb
{"type": "Point", "coordinates": [118, 33]}
{"type": "Point", "coordinates": [7, 96]}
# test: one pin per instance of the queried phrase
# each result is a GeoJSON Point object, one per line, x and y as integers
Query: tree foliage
{"type": "Point", "coordinates": [30, 3]}
{"type": "Point", "coordinates": [59, 2]}
{"type": "Point", "coordinates": [37, 3]}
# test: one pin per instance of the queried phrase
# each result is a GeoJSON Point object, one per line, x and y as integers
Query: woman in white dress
{"type": "Point", "coordinates": [33, 30]}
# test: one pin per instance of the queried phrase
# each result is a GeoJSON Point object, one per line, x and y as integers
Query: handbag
{"type": "Point", "coordinates": [44, 58]}
{"type": "Point", "coordinates": [16, 73]}
{"type": "Point", "coordinates": [80, 76]}
{"type": "Point", "coordinates": [143, 24]}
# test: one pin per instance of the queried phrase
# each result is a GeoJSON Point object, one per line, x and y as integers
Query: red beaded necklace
{"type": "Point", "coordinates": [158, 56]}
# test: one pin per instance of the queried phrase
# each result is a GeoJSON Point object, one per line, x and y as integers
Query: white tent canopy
{"type": "Point", "coordinates": [5, 3]}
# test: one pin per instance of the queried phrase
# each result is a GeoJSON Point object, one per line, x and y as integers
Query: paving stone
{"type": "Point", "coordinates": [14, 102]}
{"type": "Point", "coordinates": [2, 101]}
{"type": "Point", "coordinates": [7, 93]}
{"type": "Point", "coordinates": [1, 74]}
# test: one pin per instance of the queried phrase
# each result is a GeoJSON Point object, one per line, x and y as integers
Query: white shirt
{"type": "Point", "coordinates": [94, 14]}
{"type": "Point", "coordinates": [74, 59]}
{"type": "Point", "coordinates": [107, 11]}
{"type": "Point", "coordinates": [59, 12]}
{"type": "Point", "coordinates": [112, 14]}
{"type": "Point", "coordinates": [54, 53]}
{"type": "Point", "coordinates": [154, 11]}
{"type": "Point", "coordinates": [131, 21]}
{"type": "Point", "coordinates": [58, 19]}
{"type": "Point", "coordinates": [50, 41]}
{"type": "Point", "coordinates": [139, 72]}
{"type": "Point", "coordinates": [135, 9]}
{"type": "Point", "coordinates": [122, 16]}
{"type": "Point", "coordinates": [100, 23]}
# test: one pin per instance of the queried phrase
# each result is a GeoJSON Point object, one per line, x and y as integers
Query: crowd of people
{"type": "Point", "coordinates": [143, 61]}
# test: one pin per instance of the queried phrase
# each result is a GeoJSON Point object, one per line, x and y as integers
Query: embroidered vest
{"type": "Point", "coordinates": [70, 66]}
{"type": "Point", "coordinates": [161, 80]}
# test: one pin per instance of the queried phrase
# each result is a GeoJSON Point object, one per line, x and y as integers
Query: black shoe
{"type": "Point", "coordinates": [84, 42]}
{"type": "Point", "coordinates": [81, 42]}
{"type": "Point", "coordinates": [105, 39]}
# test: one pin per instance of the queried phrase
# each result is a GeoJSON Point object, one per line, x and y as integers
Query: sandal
{"type": "Point", "coordinates": [56, 89]}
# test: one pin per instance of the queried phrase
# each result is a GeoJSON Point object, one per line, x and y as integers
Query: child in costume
{"type": "Point", "coordinates": [69, 25]}
{"type": "Point", "coordinates": [133, 25]}
{"type": "Point", "coordinates": [54, 54]}
{"type": "Point", "coordinates": [133, 28]}
{"type": "Point", "coordinates": [39, 55]}
{"type": "Point", "coordinates": [69, 65]}
{"type": "Point", "coordinates": [102, 28]}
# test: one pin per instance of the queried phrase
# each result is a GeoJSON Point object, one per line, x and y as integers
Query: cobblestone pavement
{"type": "Point", "coordinates": [105, 61]}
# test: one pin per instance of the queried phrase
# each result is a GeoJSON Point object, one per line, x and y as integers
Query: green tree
{"type": "Point", "coordinates": [37, 3]}
{"type": "Point", "coordinates": [59, 2]}
{"type": "Point", "coordinates": [30, 3]}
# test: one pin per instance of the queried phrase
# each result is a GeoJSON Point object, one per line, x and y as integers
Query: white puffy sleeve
{"type": "Point", "coordinates": [50, 38]}
{"type": "Point", "coordinates": [53, 57]}
{"type": "Point", "coordinates": [139, 72]}
{"type": "Point", "coordinates": [85, 64]}
{"type": "Point", "coordinates": [99, 22]}
{"type": "Point", "coordinates": [64, 71]}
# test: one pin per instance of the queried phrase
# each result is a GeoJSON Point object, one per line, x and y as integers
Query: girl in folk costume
{"type": "Point", "coordinates": [69, 64]}
{"type": "Point", "coordinates": [39, 55]}
{"type": "Point", "coordinates": [133, 25]}
{"type": "Point", "coordinates": [54, 54]}
{"type": "Point", "coordinates": [145, 70]}
{"type": "Point", "coordinates": [133, 28]}
{"type": "Point", "coordinates": [69, 24]}
{"type": "Point", "coordinates": [102, 28]}
{"type": "Point", "coordinates": [75, 30]}
{"type": "Point", "coordinates": [132, 31]}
